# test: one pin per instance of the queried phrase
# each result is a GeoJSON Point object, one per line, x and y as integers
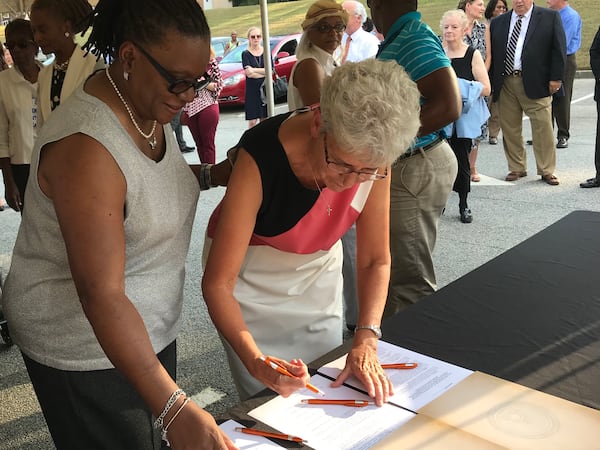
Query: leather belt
{"type": "Point", "coordinates": [514, 73]}
{"type": "Point", "coordinates": [424, 148]}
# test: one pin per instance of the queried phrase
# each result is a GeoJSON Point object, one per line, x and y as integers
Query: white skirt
{"type": "Point", "coordinates": [291, 303]}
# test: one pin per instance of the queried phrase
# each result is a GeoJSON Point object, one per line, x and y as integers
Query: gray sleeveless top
{"type": "Point", "coordinates": [40, 300]}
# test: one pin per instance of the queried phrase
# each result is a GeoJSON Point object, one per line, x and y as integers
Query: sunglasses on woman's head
{"type": "Point", "coordinates": [255, 36]}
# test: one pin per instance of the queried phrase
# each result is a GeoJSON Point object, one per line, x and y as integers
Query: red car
{"type": "Point", "coordinates": [283, 51]}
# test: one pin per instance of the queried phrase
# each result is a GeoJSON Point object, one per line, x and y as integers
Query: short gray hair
{"type": "Point", "coordinates": [361, 11]}
{"type": "Point", "coordinates": [459, 13]}
{"type": "Point", "coordinates": [371, 108]}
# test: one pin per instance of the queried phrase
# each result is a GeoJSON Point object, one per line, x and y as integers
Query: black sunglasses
{"type": "Point", "coordinates": [177, 86]}
{"type": "Point", "coordinates": [21, 44]}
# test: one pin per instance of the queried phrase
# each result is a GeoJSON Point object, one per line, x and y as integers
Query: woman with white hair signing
{"type": "Point", "coordinates": [323, 28]}
{"type": "Point", "coordinates": [272, 280]}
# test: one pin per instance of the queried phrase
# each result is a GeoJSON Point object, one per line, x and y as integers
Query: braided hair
{"type": "Point", "coordinates": [78, 12]}
{"type": "Point", "coordinates": [143, 22]}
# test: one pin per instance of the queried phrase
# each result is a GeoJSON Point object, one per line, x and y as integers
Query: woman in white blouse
{"type": "Point", "coordinates": [323, 28]}
{"type": "Point", "coordinates": [19, 111]}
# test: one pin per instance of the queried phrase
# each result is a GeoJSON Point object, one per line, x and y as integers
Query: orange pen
{"type": "Point", "coordinates": [323, 401]}
{"type": "Point", "coordinates": [283, 371]}
{"type": "Point", "coordinates": [285, 437]}
{"type": "Point", "coordinates": [399, 366]}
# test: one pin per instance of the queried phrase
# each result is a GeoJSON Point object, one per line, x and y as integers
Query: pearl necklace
{"type": "Point", "coordinates": [151, 137]}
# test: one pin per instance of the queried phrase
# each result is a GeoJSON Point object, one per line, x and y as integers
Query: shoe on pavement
{"type": "Point", "coordinates": [562, 143]}
{"type": "Point", "coordinates": [514, 176]}
{"type": "Point", "coordinates": [187, 149]}
{"type": "Point", "coordinates": [493, 141]}
{"type": "Point", "coordinates": [590, 183]}
{"type": "Point", "coordinates": [550, 179]}
{"type": "Point", "coordinates": [466, 216]}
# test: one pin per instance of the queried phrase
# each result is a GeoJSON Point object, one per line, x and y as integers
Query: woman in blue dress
{"type": "Point", "coordinates": [253, 61]}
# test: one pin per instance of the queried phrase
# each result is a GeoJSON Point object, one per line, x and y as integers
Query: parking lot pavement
{"type": "Point", "coordinates": [504, 215]}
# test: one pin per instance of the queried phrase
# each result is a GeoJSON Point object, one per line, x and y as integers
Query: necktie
{"type": "Point", "coordinates": [346, 48]}
{"type": "Point", "coordinates": [509, 61]}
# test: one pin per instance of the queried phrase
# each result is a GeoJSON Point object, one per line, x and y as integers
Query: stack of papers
{"type": "Point", "coordinates": [331, 427]}
{"type": "Point", "coordinates": [436, 405]}
{"type": "Point", "coordinates": [413, 388]}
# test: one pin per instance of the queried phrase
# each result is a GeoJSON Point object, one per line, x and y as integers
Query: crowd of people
{"type": "Point", "coordinates": [326, 205]}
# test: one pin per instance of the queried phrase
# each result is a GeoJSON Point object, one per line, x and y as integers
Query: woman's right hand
{"type": "Point", "coordinates": [282, 384]}
{"type": "Point", "coordinates": [196, 429]}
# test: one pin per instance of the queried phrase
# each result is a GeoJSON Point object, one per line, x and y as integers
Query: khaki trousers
{"type": "Point", "coordinates": [494, 120]}
{"type": "Point", "coordinates": [420, 188]}
{"type": "Point", "coordinates": [513, 102]}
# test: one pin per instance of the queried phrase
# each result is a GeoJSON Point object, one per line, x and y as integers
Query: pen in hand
{"type": "Point", "coordinates": [285, 437]}
{"type": "Point", "coordinates": [283, 371]}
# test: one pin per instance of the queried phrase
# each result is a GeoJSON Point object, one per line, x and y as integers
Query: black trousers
{"type": "Point", "coordinates": [597, 153]}
{"type": "Point", "coordinates": [561, 106]}
{"type": "Point", "coordinates": [461, 148]}
{"type": "Point", "coordinates": [96, 409]}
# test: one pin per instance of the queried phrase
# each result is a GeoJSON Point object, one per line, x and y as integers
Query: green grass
{"type": "Point", "coordinates": [286, 17]}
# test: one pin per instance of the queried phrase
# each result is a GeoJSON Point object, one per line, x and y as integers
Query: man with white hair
{"type": "Point", "coordinates": [357, 44]}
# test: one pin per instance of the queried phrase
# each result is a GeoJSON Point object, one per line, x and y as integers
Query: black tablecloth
{"type": "Point", "coordinates": [530, 315]}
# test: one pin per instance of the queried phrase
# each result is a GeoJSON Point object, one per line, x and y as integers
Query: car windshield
{"type": "Point", "coordinates": [235, 56]}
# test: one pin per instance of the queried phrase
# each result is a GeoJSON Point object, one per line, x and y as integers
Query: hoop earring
{"type": "Point", "coordinates": [126, 76]}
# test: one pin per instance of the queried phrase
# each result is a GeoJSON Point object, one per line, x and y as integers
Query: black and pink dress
{"type": "Point", "coordinates": [290, 285]}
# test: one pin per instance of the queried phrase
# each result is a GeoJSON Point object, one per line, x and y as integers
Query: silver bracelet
{"type": "Point", "coordinates": [166, 427]}
{"type": "Point", "coordinates": [158, 423]}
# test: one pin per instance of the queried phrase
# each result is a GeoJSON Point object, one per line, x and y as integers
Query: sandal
{"type": "Point", "coordinates": [474, 175]}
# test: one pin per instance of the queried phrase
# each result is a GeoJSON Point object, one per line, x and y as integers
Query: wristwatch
{"type": "Point", "coordinates": [374, 328]}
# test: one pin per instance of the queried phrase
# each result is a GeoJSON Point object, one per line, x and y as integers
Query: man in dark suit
{"type": "Point", "coordinates": [595, 63]}
{"type": "Point", "coordinates": [526, 70]}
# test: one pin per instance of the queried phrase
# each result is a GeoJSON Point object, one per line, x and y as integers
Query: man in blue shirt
{"type": "Point", "coordinates": [422, 178]}
{"type": "Point", "coordinates": [561, 104]}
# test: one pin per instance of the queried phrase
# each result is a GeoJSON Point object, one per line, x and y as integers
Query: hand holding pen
{"type": "Point", "coordinates": [279, 367]}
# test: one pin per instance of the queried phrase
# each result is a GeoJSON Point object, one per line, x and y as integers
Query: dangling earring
{"type": "Point", "coordinates": [67, 34]}
{"type": "Point", "coordinates": [126, 76]}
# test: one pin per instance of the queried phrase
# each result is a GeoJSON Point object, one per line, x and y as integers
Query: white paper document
{"type": "Point", "coordinates": [247, 441]}
{"type": "Point", "coordinates": [331, 427]}
{"type": "Point", "coordinates": [413, 388]}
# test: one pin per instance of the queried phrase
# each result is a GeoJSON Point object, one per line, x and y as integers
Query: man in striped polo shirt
{"type": "Point", "coordinates": [422, 178]}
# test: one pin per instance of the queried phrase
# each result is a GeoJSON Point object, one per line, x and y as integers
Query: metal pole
{"type": "Point", "coordinates": [264, 17]}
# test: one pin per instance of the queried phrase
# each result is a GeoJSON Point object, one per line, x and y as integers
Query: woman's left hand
{"type": "Point", "coordinates": [363, 363]}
